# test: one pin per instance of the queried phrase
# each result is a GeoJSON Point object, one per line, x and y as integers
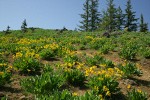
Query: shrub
{"type": "Point", "coordinates": [146, 52]}
{"type": "Point", "coordinates": [45, 84]}
{"type": "Point", "coordinates": [136, 95]}
{"type": "Point", "coordinates": [5, 74]}
{"type": "Point", "coordinates": [96, 60]}
{"type": "Point", "coordinates": [75, 77]}
{"type": "Point", "coordinates": [27, 62]}
{"type": "Point", "coordinates": [128, 51]}
{"type": "Point", "coordinates": [103, 85]}
{"type": "Point", "coordinates": [47, 54]}
{"type": "Point", "coordinates": [130, 69]}
{"type": "Point", "coordinates": [71, 58]}
{"type": "Point", "coordinates": [104, 49]}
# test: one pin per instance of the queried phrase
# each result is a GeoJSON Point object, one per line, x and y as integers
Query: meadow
{"type": "Point", "coordinates": [49, 65]}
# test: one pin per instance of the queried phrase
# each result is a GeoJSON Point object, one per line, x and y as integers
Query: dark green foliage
{"type": "Point", "coordinates": [119, 19]}
{"type": "Point", "coordinates": [27, 65]}
{"type": "Point", "coordinates": [7, 30]}
{"type": "Point", "coordinates": [129, 51]}
{"type": "Point", "coordinates": [75, 77]}
{"type": "Point", "coordinates": [109, 16]}
{"type": "Point", "coordinates": [143, 25]}
{"type": "Point", "coordinates": [94, 15]}
{"type": "Point", "coordinates": [90, 17]}
{"type": "Point", "coordinates": [85, 22]}
{"type": "Point", "coordinates": [136, 95]}
{"type": "Point", "coordinates": [130, 20]}
{"type": "Point", "coordinates": [96, 60]}
{"type": "Point", "coordinates": [47, 54]}
{"type": "Point", "coordinates": [130, 69]}
{"type": "Point", "coordinates": [24, 26]}
{"type": "Point", "coordinates": [44, 84]}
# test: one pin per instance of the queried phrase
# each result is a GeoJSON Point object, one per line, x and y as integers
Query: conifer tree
{"type": "Point", "coordinates": [143, 25]}
{"type": "Point", "coordinates": [119, 19]}
{"type": "Point", "coordinates": [94, 15]}
{"type": "Point", "coordinates": [24, 26]}
{"type": "Point", "coordinates": [109, 17]}
{"type": "Point", "coordinates": [85, 16]}
{"type": "Point", "coordinates": [8, 28]}
{"type": "Point", "coordinates": [130, 20]}
{"type": "Point", "coordinates": [91, 16]}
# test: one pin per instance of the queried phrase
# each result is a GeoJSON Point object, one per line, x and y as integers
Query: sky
{"type": "Point", "coordinates": [55, 14]}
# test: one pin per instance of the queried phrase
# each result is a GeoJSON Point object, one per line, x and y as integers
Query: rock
{"type": "Point", "coordinates": [128, 81]}
{"type": "Point", "coordinates": [22, 97]}
{"type": "Point", "coordinates": [106, 34]}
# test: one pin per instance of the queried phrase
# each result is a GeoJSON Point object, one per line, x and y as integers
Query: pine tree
{"type": "Point", "coordinates": [85, 22]}
{"type": "Point", "coordinates": [24, 26]}
{"type": "Point", "coordinates": [91, 16]}
{"type": "Point", "coordinates": [119, 19]}
{"type": "Point", "coordinates": [109, 17]}
{"type": "Point", "coordinates": [143, 25]}
{"type": "Point", "coordinates": [8, 28]}
{"type": "Point", "coordinates": [130, 20]}
{"type": "Point", "coordinates": [94, 15]}
{"type": "Point", "coordinates": [104, 24]}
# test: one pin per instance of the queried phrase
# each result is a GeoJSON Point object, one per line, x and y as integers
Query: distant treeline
{"type": "Point", "coordinates": [111, 19]}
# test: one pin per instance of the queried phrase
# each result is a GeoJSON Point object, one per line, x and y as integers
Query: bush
{"type": "Point", "coordinates": [45, 84]}
{"type": "Point", "coordinates": [136, 95]}
{"type": "Point", "coordinates": [71, 58]}
{"type": "Point", "coordinates": [96, 60]}
{"type": "Point", "coordinates": [75, 77]}
{"type": "Point", "coordinates": [27, 65]}
{"type": "Point", "coordinates": [128, 51]}
{"type": "Point", "coordinates": [130, 69]}
{"type": "Point", "coordinates": [106, 86]}
{"type": "Point", "coordinates": [47, 54]}
{"type": "Point", "coordinates": [146, 52]}
{"type": "Point", "coordinates": [5, 74]}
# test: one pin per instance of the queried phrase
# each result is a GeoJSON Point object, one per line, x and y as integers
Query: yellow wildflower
{"type": "Point", "coordinates": [69, 65]}
{"type": "Point", "coordinates": [74, 94]}
{"type": "Point", "coordinates": [101, 79]}
{"type": "Point", "coordinates": [10, 67]}
{"type": "Point", "coordinates": [105, 88]}
{"type": "Point", "coordinates": [129, 86]}
{"type": "Point", "coordinates": [96, 88]}
{"type": "Point", "coordinates": [108, 93]}
{"type": "Point", "coordinates": [107, 75]}
{"type": "Point", "coordinates": [1, 73]}
{"type": "Point", "coordinates": [138, 90]}
{"type": "Point", "coordinates": [103, 65]}
{"type": "Point", "coordinates": [101, 96]}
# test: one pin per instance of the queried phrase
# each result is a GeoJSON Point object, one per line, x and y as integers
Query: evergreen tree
{"type": "Point", "coordinates": [8, 28]}
{"type": "Point", "coordinates": [24, 26]}
{"type": "Point", "coordinates": [104, 24]}
{"type": "Point", "coordinates": [130, 20]}
{"type": "Point", "coordinates": [86, 17]}
{"type": "Point", "coordinates": [94, 15]}
{"type": "Point", "coordinates": [119, 19]}
{"type": "Point", "coordinates": [91, 16]}
{"type": "Point", "coordinates": [143, 25]}
{"type": "Point", "coordinates": [109, 17]}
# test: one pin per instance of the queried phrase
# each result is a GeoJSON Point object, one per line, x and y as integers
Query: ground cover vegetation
{"type": "Point", "coordinates": [45, 64]}
{"type": "Point", "coordinates": [108, 59]}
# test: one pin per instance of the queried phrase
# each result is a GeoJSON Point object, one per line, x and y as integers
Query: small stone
{"type": "Point", "coordinates": [132, 82]}
{"type": "Point", "coordinates": [22, 97]}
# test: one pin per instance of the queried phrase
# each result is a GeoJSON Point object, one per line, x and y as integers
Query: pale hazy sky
{"type": "Point", "coordinates": [52, 14]}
